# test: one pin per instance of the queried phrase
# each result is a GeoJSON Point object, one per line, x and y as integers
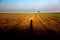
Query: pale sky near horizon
{"type": "Point", "coordinates": [29, 5]}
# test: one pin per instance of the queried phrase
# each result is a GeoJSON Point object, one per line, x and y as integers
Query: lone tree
{"type": "Point", "coordinates": [38, 11]}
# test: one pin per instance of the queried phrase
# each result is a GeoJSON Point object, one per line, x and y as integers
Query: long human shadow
{"type": "Point", "coordinates": [31, 26]}
{"type": "Point", "coordinates": [31, 29]}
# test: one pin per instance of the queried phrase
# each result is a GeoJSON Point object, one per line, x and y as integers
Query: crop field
{"type": "Point", "coordinates": [42, 23]}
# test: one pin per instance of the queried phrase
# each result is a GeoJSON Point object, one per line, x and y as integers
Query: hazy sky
{"type": "Point", "coordinates": [29, 5]}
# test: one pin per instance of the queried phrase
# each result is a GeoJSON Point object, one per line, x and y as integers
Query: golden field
{"type": "Point", "coordinates": [41, 21]}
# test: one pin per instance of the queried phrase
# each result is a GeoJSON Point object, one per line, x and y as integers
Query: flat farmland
{"type": "Point", "coordinates": [42, 23]}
